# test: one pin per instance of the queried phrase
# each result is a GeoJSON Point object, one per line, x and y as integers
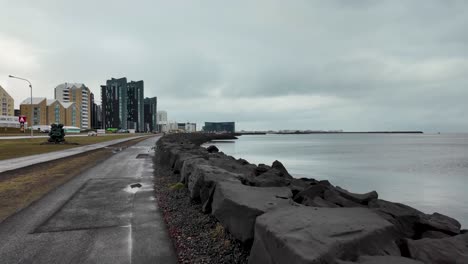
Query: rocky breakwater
{"type": "Point", "coordinates": [288, 220]}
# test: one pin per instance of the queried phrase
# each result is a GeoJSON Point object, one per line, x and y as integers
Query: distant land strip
{"type": "Point", "coordinates": [330, 132]}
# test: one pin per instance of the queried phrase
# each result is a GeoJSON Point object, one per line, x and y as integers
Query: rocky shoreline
{"type": "Point", "coordinates": [280, 219]}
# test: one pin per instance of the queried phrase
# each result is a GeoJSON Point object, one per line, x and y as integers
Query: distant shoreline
{"type": "Point", "coordinates": [330, 132]}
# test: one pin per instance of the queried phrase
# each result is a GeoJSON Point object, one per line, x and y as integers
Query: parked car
{"type": "Point", "coordinates": [92, 133]}
{"type": "Point", "coordinates": [123, 131]}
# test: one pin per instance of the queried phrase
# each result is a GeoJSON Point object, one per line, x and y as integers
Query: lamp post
{"type": "Point", "coordinates": [30, 86]}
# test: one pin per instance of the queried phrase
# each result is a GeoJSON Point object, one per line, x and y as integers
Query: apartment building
{"type": "Point", "coordinates": [79, 94]}
{"type": "Point", "coordinates": [35, 112]}
{"type": "Point", "coordinates": [6, 103]}
{"type": "Point", "coordinates": [122, 104]}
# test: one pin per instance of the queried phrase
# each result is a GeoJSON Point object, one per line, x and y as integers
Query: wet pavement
{"type": "Point", "coordinates": [108, 214]}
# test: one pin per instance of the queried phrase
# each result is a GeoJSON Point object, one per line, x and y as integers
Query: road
{"type": "Point", "coordinates": [94, 218]}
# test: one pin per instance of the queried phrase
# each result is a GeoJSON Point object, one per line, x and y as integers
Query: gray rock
{"type": "Point", "coordinates": [320, 235]}
{"type": "Point", "coordinates": [381, 260]}
{"type": "Point", "coordinates": [443, 223]}
{"type": "Point", "coordinates": [387, 260]}
{"type": "Point", "coordinates": [243, 161]}
{"type": "Point", "coordinates": [452, 250]}
{"type": "Point", "coordinates": [318, 202]}
{"type": "Point", "coordinates": [280, 167]}
{"type": "Point", "coordinates": [270, 178]}
{"type": "Point", "coordinates": [310, 193]}
{"type": "Point", "coordinates": [334, 197]}
{"type": "Point", "coordinates": [298, 185]}
{"type": "Point", "coordinates": [358, 198]}
{"type": "Point", "coordinates": [434, 234]}
{"type": "Point", "coordinates": [203, 175]}
{"type": "Point", "coordinates": [237, 206]}
{"type": "Point", "coordinates": [189, 166]}
{"type": "Point", "coordinates": [182, 157]}
{"type": "Point", "coordinates": [404, 217]}
{"type": "Point", "coordinates": [261, 168]}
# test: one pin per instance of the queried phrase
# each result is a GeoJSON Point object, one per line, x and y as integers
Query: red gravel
{"type": "Point", "coordinates": [197, 237]}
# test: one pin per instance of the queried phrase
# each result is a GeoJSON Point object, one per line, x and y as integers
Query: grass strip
{"type": "Point", "coordinates": [19, 188]}
{"type": "Point", "coordinates": [15, 148]}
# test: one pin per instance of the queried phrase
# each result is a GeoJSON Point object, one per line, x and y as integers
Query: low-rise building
{"type": "Point", "coordinates": [35, 111]}
{"type": "Point", "coordinates": [220, 127]}
{"type": "Point", "coordinates": [10, 121]}
{"type": "Point", "coordinates": [44, 112]}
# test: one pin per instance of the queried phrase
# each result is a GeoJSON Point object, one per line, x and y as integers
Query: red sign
{"type": "Point", "coordinates": [22, 119]}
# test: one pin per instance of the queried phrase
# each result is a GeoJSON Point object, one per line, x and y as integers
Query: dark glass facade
{"type": "Point", "coordinates": [150, 110]}
{"type": "Point", "coordinates": [228, 127]}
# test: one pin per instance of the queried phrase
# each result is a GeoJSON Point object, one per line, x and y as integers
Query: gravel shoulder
{"type": "Point", "coordinates": [197, 237]}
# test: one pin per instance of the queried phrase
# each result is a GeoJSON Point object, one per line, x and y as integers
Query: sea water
{"type": "Point", "coordinates": [426, 171]}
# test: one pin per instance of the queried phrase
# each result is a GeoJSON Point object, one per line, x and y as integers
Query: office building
{"type": "Point", "coordinates": [122, 104]}
{"type": "Point", "coordinates": [7, 103]}
{"type": "Point", "coordinates": [79, 94]}
{"type": "Point", "coordinates": [150, 113]}
{"type": "Point", "coordinates": [219, 127]}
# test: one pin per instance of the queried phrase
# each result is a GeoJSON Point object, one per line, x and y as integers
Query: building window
{"type": "Point", "coordinates": [57, 114]}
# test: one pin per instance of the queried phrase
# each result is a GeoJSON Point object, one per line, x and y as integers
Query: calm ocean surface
{"type": "Point", "coordinates": [428, 172]}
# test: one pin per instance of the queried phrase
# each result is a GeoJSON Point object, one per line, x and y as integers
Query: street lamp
{"type": "Point", "coordinates": [30, 86]}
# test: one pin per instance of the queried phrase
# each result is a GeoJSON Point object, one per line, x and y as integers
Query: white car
{"type": "Point", "coordinates": [92, 133]}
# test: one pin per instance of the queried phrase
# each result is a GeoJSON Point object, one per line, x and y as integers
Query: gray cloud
{"type": "Point", "coordinates": [268, 64]}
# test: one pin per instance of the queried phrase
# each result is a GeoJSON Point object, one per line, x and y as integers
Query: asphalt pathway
{"type": "Point", "coordinates": [17, 163]}
{"type": "Point", "coordinates": [97, 217]}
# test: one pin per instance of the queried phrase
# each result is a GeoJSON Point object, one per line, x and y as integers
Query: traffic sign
{"type": "Point", "coordinates": [22, 119]}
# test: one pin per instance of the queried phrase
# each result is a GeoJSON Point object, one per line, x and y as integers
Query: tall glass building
{"type": "Point", "coordinates": [122, 104]}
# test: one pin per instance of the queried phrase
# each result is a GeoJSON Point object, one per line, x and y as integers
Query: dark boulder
{"type": "Point", "coordinates": [237, 206]}
{"type": "Point", "coordinates": [358, 198]}
{"type": "Point", "coordinates": [318, 202]}
{"type": "Point", "coordinates": [212, 149]}
{"type": "Point", "coordinates": [261, 168]}
{"type": "Point", "coordinates": [383, 260]}
{"type": "Point", "coordinates": [243, 162]}
{"type": "Point", "coordinates": [434, 234]}
{"type": "Point", "coordinates": [450, 250]}
{"type": "Point", "coordinates": [333, 196]}
{"type": "Point", "coordinates": [442, 223]}
{"type": "Point", "coordinates": [404, 217]}
{"type": "Point", "coordinates": [280, 167]}
{"type": "Point", "coordinates": [301, 234]}
{"type": "Point", "coordinates": [310, 193]}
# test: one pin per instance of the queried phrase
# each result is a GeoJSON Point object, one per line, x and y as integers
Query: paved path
{"type": "Point", "coordinates": [17, 163]}
{"type": "Point", "coordinates": [94, 218]}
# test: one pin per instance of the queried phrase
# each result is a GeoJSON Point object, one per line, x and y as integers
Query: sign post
{"type": "Point", "coordinates": [22, 120]}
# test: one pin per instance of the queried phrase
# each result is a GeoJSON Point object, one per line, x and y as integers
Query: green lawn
{"type": "Point", "coordinates": [14, 148]}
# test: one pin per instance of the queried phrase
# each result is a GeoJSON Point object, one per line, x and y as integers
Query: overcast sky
{"type": "Point", "coordinates": [352, 65]}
